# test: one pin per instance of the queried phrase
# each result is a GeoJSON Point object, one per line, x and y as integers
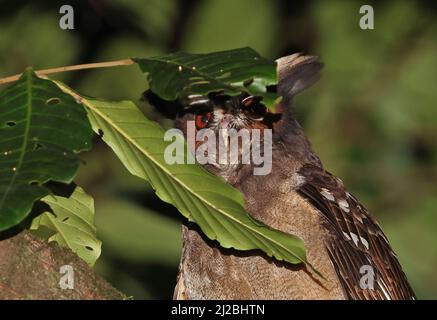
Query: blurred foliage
{"type": "Point", "coordinates": [372, 117]}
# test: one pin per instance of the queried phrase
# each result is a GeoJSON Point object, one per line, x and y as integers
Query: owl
{"type": "Point", "coordinates": [343, 241]}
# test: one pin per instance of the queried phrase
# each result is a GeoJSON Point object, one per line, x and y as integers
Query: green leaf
{"type": "Point", "coordinates": [199, 195]}
{"type": "Point", "coordinates": [232, 72]}
{"type": "Point", "coordinates": [72, 220]}
{"type": "Point", "coordinates": [41, 131]}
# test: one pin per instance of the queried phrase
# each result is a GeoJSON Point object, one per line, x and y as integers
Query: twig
{"type": "Point", "coordinates": [125, 62]}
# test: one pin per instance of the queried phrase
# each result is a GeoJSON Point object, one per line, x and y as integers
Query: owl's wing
{"type": "Point", "coordinates": [356, 244]}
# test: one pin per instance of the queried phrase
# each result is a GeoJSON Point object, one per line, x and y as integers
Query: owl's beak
{"type": "Point", "coordinates": [224, 123]}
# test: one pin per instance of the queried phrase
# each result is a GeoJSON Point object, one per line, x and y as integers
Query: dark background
{"type": "Point", "coordinates": [372, 117]}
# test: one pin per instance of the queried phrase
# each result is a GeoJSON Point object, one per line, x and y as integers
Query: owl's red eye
{"type": "Point", "coordinates": [202, 120]}
{"type": "Point", "coordinates": [253, 107]}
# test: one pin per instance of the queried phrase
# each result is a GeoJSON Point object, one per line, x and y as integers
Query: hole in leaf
{"type": "Point", "coordinates": [100, 133]}
{"type": "Point", "coordinates": [248, 82]}
{"type": "Point", "coordinates": [38, 146]}
{"type": "Point", "coordinates": [65, 219]}
{"type": "Point", "coordinates": [89, 248]}
{"type": "Point", "coordinates": [53, 101]}
{"type": "Point", "coordinates": [11, 123]}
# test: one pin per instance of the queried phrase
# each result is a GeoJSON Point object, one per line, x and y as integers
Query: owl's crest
{"type": "Point", "coordinates": [297, 72]}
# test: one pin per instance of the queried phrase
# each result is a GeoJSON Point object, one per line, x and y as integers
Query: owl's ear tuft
{"type": "Point", "coordinates": [169, 109]}
{"type": "Point", "coordinates": [296, 73]}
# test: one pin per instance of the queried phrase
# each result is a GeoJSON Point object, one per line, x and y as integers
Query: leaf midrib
{"type": "Point", "coordinates": [74, 214]}
{"type": "Point", "coordinates": [59, 231]}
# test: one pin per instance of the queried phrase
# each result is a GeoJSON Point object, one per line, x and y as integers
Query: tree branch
{"type": "Point", "coordinates": [108, 64]}
{"type": "Point", "coordinates": [30, 269]}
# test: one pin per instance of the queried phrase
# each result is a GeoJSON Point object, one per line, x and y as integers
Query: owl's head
{"type": "Point", "coordinates": [219, 112]}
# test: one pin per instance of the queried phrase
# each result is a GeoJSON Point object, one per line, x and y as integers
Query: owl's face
{"type": "Point", "coordinates": [218, 111]}
{"type": "Point", "coordinates": [231, 122]}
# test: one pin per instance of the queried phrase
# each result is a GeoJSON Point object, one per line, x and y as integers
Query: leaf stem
{"type": "Point", "coordinates": [107, 64]}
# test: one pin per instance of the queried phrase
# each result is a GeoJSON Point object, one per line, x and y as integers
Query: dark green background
{"type": "Point", "coordinates": [372, 117]}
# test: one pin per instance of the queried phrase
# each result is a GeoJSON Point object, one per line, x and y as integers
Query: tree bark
{"type": "Point", "coordinates": [30, 269]}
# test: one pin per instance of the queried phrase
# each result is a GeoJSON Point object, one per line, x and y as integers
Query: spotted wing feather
{"type": "Point", "coordinates": [355, 240]}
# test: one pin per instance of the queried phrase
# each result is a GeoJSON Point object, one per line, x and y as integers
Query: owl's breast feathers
{"type": "Point", "coordinates": [355, 240]}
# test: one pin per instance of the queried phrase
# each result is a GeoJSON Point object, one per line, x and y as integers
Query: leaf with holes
{"type": "Point", "coordinates": [72, 222]}
{"type": "Point", "coordinates": [199, 195]}
{"type": "Point", "coordinates": [41, 131]}
{"type": "Point", "coordinates": [178, 75]}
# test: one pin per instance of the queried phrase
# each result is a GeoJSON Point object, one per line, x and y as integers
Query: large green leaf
{"type": "Point", "coordinates": [200, 196]}
{"type": "Point", "coordinates": [41, 131]}
{"type": "Point", "coordinates": [72, 221]}
{"type": "Point", "coordinates": [232, 72]}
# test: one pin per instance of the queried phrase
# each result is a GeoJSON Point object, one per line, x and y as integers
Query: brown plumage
{"type": "Point", "coordinates": [297, 197]}
{"type": "Point", "coordinates": [355, 239]}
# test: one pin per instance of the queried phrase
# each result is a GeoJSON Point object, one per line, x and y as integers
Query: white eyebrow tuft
{"type": "Point", "coordinates": [202, 101]}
